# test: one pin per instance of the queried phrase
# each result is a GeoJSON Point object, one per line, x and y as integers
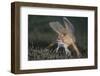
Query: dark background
{"type": "Point", "coordinates": [40, 34]}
